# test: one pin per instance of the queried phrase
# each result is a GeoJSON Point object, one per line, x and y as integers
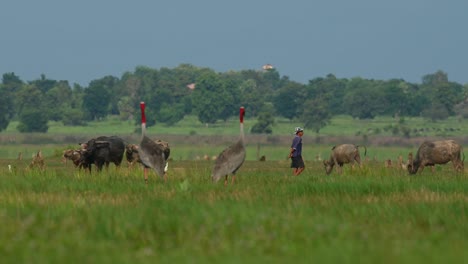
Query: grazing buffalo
{"type": "Point", "coordinates": [102, 150]}
{"type": "Point", "coordinates": [437, 152]}
{"type": "Point", "coordinates": [74, 155]}
{"type": "Point", "coordinates": [341, 154]}
{"type": "Point", "coordinates": [131, 153]}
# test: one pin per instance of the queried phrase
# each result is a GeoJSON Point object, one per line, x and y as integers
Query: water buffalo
{"type": "Point", "coordinates": [131, 154]}
{"type": "Point", "coordinates": [74, 155]}
{"type": "Point", "coordinates": [437, 152]}
{"type": "Point", "coordinates": [102, 150]}
{"type": "Point", "coordinates": [341, 154]}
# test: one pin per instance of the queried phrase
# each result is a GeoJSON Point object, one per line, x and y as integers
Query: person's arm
{"type": "Point", "coordinates": [291, 152]}
{"type": "Point", "coordinates": [293, 146]}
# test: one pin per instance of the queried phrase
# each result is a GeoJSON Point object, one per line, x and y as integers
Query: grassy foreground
{"type": "Point", "coordinates": [367, 215]}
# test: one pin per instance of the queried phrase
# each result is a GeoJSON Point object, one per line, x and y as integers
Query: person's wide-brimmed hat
{"type": "Point", "coordinates": [298, 129]}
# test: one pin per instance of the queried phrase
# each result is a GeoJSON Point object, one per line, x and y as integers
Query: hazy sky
{"type": "Point", "coordinates": [83, 40]}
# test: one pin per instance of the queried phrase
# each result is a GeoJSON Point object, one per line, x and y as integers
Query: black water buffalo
{"type": "Point", "coordinates": [437, 152]}
{"type": "Point", "coordinates": [102, 150]}
{"type": "Point", "coordinates": [341, 154]}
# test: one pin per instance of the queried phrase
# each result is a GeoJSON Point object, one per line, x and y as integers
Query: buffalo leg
{"type": "Point", "coordinates": [421, 168]}
{"type": "Point", "coordinates": [458, 165]}
{"type": "Point", "coordinates": [145, 173]}
{"type": "Point", "coordinates": [340, 169]}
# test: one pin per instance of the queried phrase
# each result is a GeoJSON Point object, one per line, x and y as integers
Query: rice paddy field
{"type": "Point", "coordinates": [370, 214]}
{"type": "Point", "coordinates": [367, 214]}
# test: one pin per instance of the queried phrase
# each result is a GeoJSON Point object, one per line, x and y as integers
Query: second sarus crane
{"type": "Point", "coordinates": [232, 158]}
{"type": "Point", "coordinates": [152, 155]}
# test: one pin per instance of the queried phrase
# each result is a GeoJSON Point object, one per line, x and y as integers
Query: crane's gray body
{"type": "Point", "coordinates": [229, 161]}
{"type": "Point", "coordinates": [152, 155]}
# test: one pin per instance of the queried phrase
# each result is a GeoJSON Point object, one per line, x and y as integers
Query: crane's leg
{"type": "Point", "coordinates": [225, 181]}
{"type": "Point", "coordinates": [233, 179]}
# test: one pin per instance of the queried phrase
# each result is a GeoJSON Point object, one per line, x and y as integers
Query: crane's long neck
{"type": "Point", "coordinates": [143, 120]}
{"type": "Point", "coordinates": [242, 132]}
{"type": "Point", "coordinates": [143, 130]}
{"type": "Point", "coordinates": [241, 119]}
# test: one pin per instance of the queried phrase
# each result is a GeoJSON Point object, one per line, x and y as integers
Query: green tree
{"type": "Point", "coordinates": [8, 88]}
{"type": "Point", "coordinates": [417, 100]}
{"type": "Point", "coordinates": [171, 114]}
{"type": "Point", "coordinates": [76, 101]}
{"type": "Point", "coordinates": [232, 94]}
{"type": "Point", "coordinates": [11, 85]}
{"type": "Point", "coordinates": [361, 99]}
{"type": "Point", "coordinates": [12, 82]}
{"type": "Point", "coordinates": [436, 111]}
{"type": "Point", "coordinates": [435, 78]}
{"type": "Point", "coordinates": [57, 100]}
{"type": "Point", "coordinates": [449, 95]}
{"type": "Point", "coordinates": [5, 105]}
{"type": "Point", "coordinates": [126, 108]}
{"type": "Point", "coordinates": [267, 82]}
{"type": "Point", "coordinates": [97, 98]}
{"type": "Point", "coordinates": [43, 84]}
{"type": "Point", "coordinates": [33, 116]}
{"type": "Point", "coordinates": [315, 114]}
{"type": "Point", "coordinates": [265, 121]}
{"type": "Point", "coordinates": [440, 91]}
{"type": "Point", "coordinates": [73, 117]}
{"type": "Point", "coordinates": [33, 120]}
{"type": "Point", "coordinates": [288, 98]}
{"type": "Point", "coordinates": [330, 89]}
{"type": "Point", "coordinates": [211, 100]}
{"type": "Point", "coordinates": [251, 97]}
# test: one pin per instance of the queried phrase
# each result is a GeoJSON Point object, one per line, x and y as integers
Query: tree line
{"type": "Point", "coordinates": [172, 93]}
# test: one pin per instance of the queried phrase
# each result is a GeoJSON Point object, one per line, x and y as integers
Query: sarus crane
{"type": "Point", "coordinates": [152, 155]}
{"type": "Point", "coordinates": [232, 158]}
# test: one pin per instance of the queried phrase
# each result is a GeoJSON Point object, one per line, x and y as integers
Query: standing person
{"type": "Point", "coordinates": [297, 163]}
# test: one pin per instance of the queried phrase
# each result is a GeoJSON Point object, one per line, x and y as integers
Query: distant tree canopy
{"type": "Point", "coordinates": [265, 121]}
{"type": "Point", "coordinates": [213, 98]}
{"type": "Point", "coordinates": [171, 94]}
{"type": "Point", "coordinates": [8, 88]}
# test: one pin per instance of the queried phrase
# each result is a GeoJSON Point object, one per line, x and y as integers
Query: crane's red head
{"type": "Point", "coordinates": [241, 114]}
{"type": "Point", "coordinates": [143, 116]}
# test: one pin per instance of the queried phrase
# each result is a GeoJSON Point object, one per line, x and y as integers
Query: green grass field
{"type": "Point", "coordinates": [339, 126]}
{"type": "Point", "coordinates": [364, 215]}
{"type": "Point", "coordinates": [370, 214]}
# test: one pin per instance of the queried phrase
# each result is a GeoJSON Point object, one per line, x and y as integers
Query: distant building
{"type": "Point", "coordinates": [268, 67]}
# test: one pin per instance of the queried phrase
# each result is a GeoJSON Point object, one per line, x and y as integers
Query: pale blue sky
{"type": "Point", "coordinates": [80, 41]}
